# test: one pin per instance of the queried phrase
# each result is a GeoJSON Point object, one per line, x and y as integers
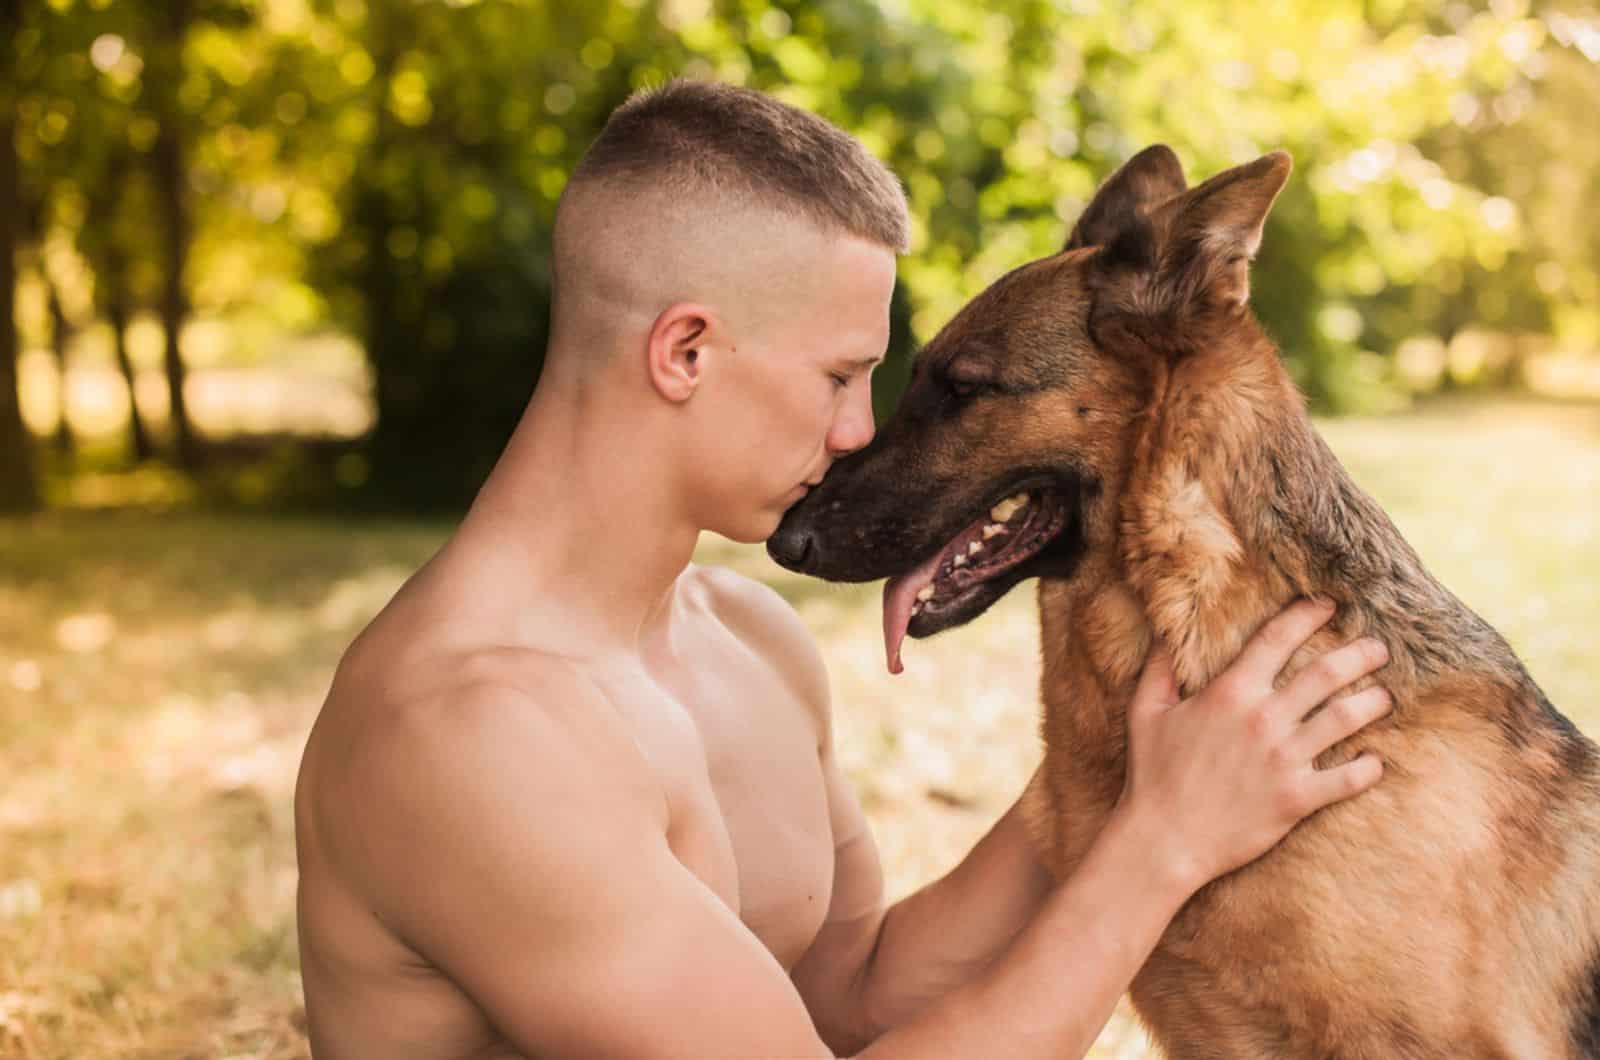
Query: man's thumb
{"type": "Point", "coordinates": [1158, 684]}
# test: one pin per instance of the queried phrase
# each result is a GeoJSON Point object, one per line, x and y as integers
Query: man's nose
{"type": "Point", "coordinates": [854, 428]}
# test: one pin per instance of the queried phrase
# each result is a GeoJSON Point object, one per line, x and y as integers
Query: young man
{"type": "Point", "coordinates": [572, 796]}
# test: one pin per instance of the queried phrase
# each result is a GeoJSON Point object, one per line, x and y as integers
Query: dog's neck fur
{"type": "Point", "coordinates": [1235, 506]}
{"type": "Point", "coordinates": [1232, 507]}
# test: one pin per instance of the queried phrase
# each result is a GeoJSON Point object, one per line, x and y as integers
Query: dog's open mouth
{"type": "Point", "coordinates": [951, 586]}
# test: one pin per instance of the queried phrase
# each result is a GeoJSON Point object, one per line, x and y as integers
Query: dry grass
{"type": "Point", "coordinates": [158, 674]}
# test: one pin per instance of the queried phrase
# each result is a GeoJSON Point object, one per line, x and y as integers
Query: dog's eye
{"type": "Point", "coordinates": [965, 388]}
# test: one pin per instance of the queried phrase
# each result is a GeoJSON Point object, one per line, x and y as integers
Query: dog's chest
{"type": "Point", "coordinates": [1083, 633]}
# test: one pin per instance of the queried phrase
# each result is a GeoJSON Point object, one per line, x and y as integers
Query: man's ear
{"type": "Point", "coordinates": [1114, 217]}
{"type": "Point", "coordinates": [1216, 231]}
{"type": "Point", "coordinates": [676, 349]}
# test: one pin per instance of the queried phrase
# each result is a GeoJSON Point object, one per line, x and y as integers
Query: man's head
{"type": "Point", "coordinates": [723, 263]}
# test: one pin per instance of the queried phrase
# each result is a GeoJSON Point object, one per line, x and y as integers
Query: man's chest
{"type": "Point", "coordinates": [737, 757]}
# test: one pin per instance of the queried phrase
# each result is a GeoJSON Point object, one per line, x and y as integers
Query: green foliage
{"type": "Point", "coordinates": [391, 167]}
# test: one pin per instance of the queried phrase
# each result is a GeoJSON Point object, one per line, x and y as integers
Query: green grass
{"type": "Point", "coordinates": [158, 674]}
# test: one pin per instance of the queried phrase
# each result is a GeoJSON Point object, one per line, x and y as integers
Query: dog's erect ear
{"type": "Point", "coordinates": [1149, 177]}
{"type": "Point", "coordinates": [1217, 230]}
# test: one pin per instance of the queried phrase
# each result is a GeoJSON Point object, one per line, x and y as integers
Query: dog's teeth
{"type": "Point", "coordinates": [926, 594]}
{"type": "Point", "coordinates": [916, 608]}
{"type": "Point", "coordinates": [1008, 507]}
{"type": "Point", "coordinates": [974, 548]}
{"type": "Point", "coordinates": [991, 530]}
{"type": "Point", "coordinates": [960, 561]}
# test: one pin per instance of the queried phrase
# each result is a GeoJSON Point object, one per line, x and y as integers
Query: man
{"type": "Point", "coordinates": [573, 796]}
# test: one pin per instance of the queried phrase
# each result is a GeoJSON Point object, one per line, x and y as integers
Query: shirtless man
{"type": "Point", "coordinates": [572, 796]}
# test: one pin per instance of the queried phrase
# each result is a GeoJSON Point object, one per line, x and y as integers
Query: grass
{"type": "Point", "coordinates": [158, 674]}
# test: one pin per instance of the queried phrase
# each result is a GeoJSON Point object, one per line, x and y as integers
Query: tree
{"type": "Point", "coordinates": [168, 24]}
{"type": "Point", "coordinates": [19, 489]}
{"type": "Point", "coordinates": [439, 258]}
{"type": "Point", "coordinates": [391, 167]}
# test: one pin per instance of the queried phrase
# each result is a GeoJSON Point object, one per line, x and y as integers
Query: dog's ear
{"type": "Point", "coordinates": [1114, 218]}
{"type": "Point", "coordinates": [1216, 231]}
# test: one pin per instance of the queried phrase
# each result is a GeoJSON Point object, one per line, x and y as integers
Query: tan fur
{"type": "Point", "coordinates": [1411, 914]}
{"type": "Point", "coordinates": [1428, 919]}
{"type": "Point", "coordinates": [1448, 914]}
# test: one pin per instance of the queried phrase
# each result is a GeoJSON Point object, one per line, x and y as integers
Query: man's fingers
{"type": "Point", "coordinates": [1341, 718]}
{"type": "Point", "coordinates": [1325, 786]}
{"type": "Point", "coordinates": [1331, 672]}
{"type": "Point", "coordinates": [1269, 650]}
{"type": "Point", "coordinates": [1158, 685]}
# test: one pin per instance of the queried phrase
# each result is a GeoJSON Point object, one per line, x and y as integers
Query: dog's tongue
{"type": "Point", "coordinates": [898, 596]}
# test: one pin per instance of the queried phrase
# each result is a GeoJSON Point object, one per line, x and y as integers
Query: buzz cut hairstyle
{"type": "Point", "coordinates": [690, 135]}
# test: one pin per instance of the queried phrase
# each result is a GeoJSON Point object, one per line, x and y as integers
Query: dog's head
{"type": "Point", "coordinates": [1010, 445]}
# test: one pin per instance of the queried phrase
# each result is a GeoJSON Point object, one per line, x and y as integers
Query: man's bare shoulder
{"type": "Point", "coordinates": [519, 730]}
{"type": "Point", "coordinates": [545, 704]}
{"type": "Point", "coordinates": [510, 834]}
{"type": "Point", "coordinates": [766, 623]}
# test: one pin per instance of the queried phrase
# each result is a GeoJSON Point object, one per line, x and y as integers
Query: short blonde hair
{"type": "Point", "coordinates": [702, 135]}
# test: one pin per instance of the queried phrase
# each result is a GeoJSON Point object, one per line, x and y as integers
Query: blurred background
{"type": "Point", "coordinates": [277, 276]}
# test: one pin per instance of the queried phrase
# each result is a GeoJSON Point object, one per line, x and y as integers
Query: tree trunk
{"type": "Point", "coordinates": [115, 278]}
{"type": "Point", "coordinates": [384, 334]}
{"type": "Point", "coordinates": [172, 181]}
{"type": "Point", "coordinates": [60, 331]}
{"type": "Point", "coordinates": [19, 489]}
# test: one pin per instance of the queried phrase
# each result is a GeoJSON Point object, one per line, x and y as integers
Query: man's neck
{"type": "Point", "coordinates": [583, 507]}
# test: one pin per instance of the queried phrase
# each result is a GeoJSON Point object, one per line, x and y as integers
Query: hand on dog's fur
{"type": "Point", "coordinates": [1216, 780]}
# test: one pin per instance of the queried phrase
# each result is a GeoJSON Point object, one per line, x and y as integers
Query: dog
{"type": "Point", "coordinates": [1113, 421]}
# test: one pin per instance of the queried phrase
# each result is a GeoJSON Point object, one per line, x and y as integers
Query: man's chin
{"type": "Point", "coordinates": [755, 526]}
{"type": "Point", "coordinates": [741, 538]}
{"type": "Point", "coordinates": [753, 531]}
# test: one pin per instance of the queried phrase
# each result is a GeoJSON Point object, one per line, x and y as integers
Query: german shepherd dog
{"type": "Point", "coordinates": [1113, 421]}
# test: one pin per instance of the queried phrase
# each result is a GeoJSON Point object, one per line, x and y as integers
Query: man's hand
{"type": "Point", "coordinates": [1219, 778]}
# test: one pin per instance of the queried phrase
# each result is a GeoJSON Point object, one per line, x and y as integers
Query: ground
{"type": "Point", "coordinates": [158, 673]}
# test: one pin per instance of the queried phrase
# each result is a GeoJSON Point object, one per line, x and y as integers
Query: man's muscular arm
{"type": "Point", "coordinates": [926, 944]}
{"type": "Point", "coordinates": [871, 968]}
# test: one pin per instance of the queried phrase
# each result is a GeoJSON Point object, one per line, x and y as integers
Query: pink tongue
{"type": "Point", "coordinates": [898, 596]}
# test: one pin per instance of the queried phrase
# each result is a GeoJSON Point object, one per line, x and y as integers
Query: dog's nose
{"type": "Point", "coordinates": [791, 546]}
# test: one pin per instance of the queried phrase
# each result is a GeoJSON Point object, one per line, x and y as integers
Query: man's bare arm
{"type": "Point", "coordinates": [526, 858]}
{"type": "Point", "coordinates": [871, 969]}
{"type": "Point", "coordinates": [932, 941]}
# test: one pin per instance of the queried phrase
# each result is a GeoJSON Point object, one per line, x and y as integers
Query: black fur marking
{"type": "Point", "coordinates": [1576, 750]}
{"type": "Point", "coordinates": [1586, 1017]}
{"type": "Point", "coordinates": [1133, 247]}
{"type": "Point", "coordinates": [1148, 177]}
